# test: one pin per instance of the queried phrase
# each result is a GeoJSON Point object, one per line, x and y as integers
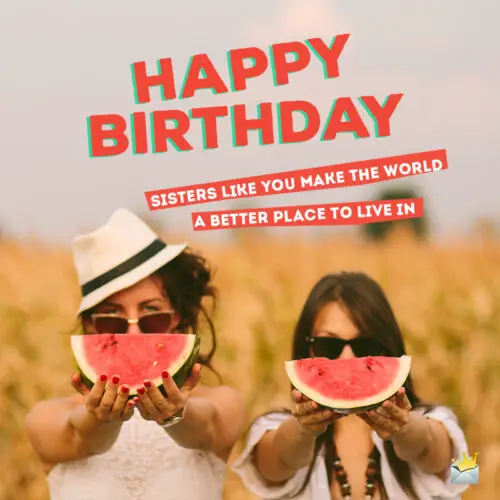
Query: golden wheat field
{"type": "Point", "coordinates": [447, 299]}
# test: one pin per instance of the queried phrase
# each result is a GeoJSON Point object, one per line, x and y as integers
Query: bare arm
{"type": "Point", "coordinates": [424, 442]}
{"type": "Point", "coordinates": [213, 421]}
{"type": "Point", "coordinates": [62, 430]}
{"type": "Point", "coordinates": [417, 439]}
{"type": "Point", "coordinates": [282, 452]}
{"type": "Point", "coordinates": [213, 417]}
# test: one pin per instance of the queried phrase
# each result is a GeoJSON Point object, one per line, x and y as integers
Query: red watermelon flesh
{"type": "Point", "coordinates": [349, 385]}
{"type": "Point", "coordinates": [135, 358]}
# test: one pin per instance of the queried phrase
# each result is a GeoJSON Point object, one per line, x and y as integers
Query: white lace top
{"type": "Point", "coordinates": [143, 464]}
{"type": "Point", "coordinates": [428, 487]}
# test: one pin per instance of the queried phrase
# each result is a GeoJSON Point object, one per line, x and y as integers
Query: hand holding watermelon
{"type": "Point", "coordinates": [108, 403]}
{"type": "Point", "coordinates": [153, 405]}
{"type": "Point", "coordinates": [313, 417]}
{"type": "Point", "coordinates": [391, 417]}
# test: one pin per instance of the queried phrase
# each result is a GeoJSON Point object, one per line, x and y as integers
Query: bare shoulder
{"type": "Point", "coordinates": [228, 401]}
{"type": "Point", "coordinates": [230, 416]}
{"type": "Point", "coordinates": [220, 394]}
{"type": "Point", "coordinates": [44, 411]}
{"type": "Point", "coordinates": [48, 430]}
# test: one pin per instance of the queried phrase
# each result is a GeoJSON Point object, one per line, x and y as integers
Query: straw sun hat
{"type": "Point", "coordinates": [118, 255]}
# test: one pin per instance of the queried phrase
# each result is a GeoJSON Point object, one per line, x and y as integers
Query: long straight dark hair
{"type": "Point", "coordinates": [367, 305]}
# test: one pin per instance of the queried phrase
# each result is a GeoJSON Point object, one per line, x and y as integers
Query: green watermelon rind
{"type": "Point", "coordinates": [348, 406]}
{"type": "Point", "coordinates": [180, 374]}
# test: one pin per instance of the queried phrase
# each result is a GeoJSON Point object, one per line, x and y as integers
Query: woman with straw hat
{"type": "Point", "coordinates": [96, 444]}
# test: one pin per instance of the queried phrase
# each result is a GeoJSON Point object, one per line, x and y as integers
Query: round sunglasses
{"type": "Point", "coordinates": [156, 322]}
{"type": "Point", "coordinates": [332, 347]}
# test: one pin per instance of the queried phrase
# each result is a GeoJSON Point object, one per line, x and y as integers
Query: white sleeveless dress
{"type": "Point", "coordinates": [143, 464]}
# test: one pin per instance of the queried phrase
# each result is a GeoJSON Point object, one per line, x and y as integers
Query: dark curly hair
{"type": "Point", "coordinates": [187, 279]}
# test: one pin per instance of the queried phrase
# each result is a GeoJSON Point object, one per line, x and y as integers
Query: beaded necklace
{"type": "Point", "coordinates": [371, 477]}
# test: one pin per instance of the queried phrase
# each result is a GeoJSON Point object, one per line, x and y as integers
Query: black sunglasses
{"type": "Point", "coordinates": [156, 322]}
{"type": "Point", "coordinates": [332, 347]}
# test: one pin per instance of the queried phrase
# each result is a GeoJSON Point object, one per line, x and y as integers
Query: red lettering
{"type": "Point", "coordinates": [161, 133]}
{"type": "Point", "coordinates": [282, 67]}
{"type": "Point", "coordinates": [139, 133]}
{"type": "Point", "coordinates": [264, 124]}
{"type": "Point", "coordinates": [142, 82]}
{"type": "Point", "coordinates": [381, 115]}
{"type": "Point", "coordinates": [209, 123]}
{"type": "Point", "coordinates": [239, 73]}
{"type": "Point", "coordinates": [329, 56]}
{"type": "Point", "coordinates": [354, 124]}
{"type": "Point", "coordinates": [98, 134]}
{"type": "Point", "coordinates": [286, 110]}
{"type": "Point", "coordinates": [211, 79]}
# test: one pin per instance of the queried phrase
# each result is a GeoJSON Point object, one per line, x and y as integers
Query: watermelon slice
{"type": "Point", "coordinates": [135, 358]}
{"type": "Point", "coordinates": [349, 385]}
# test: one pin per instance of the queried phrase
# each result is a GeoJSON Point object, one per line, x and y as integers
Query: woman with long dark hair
{"type": "Point", "coordinates": [401, 450]}
{"type": "Point", "coordinates": [101, 445]}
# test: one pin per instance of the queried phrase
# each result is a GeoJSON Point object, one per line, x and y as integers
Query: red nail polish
{"type": "Point", "coordinates": [136, 400]}
{"type": "Point", "coordinates": [147, 384]}
{"type": "Point", "coordinates": [115, 379]}
{"type": "Point", "coordinates": [141, 390]}
{"type": "Point", "coordinates": [164, 374]}
{"type": "Point", "coordinates": [104, 378]}
{"type": "Point", "coordinates": [125, 389]}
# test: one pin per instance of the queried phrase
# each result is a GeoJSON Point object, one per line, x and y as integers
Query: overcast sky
{"type": "Point", "coordinates": [64, 60]}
